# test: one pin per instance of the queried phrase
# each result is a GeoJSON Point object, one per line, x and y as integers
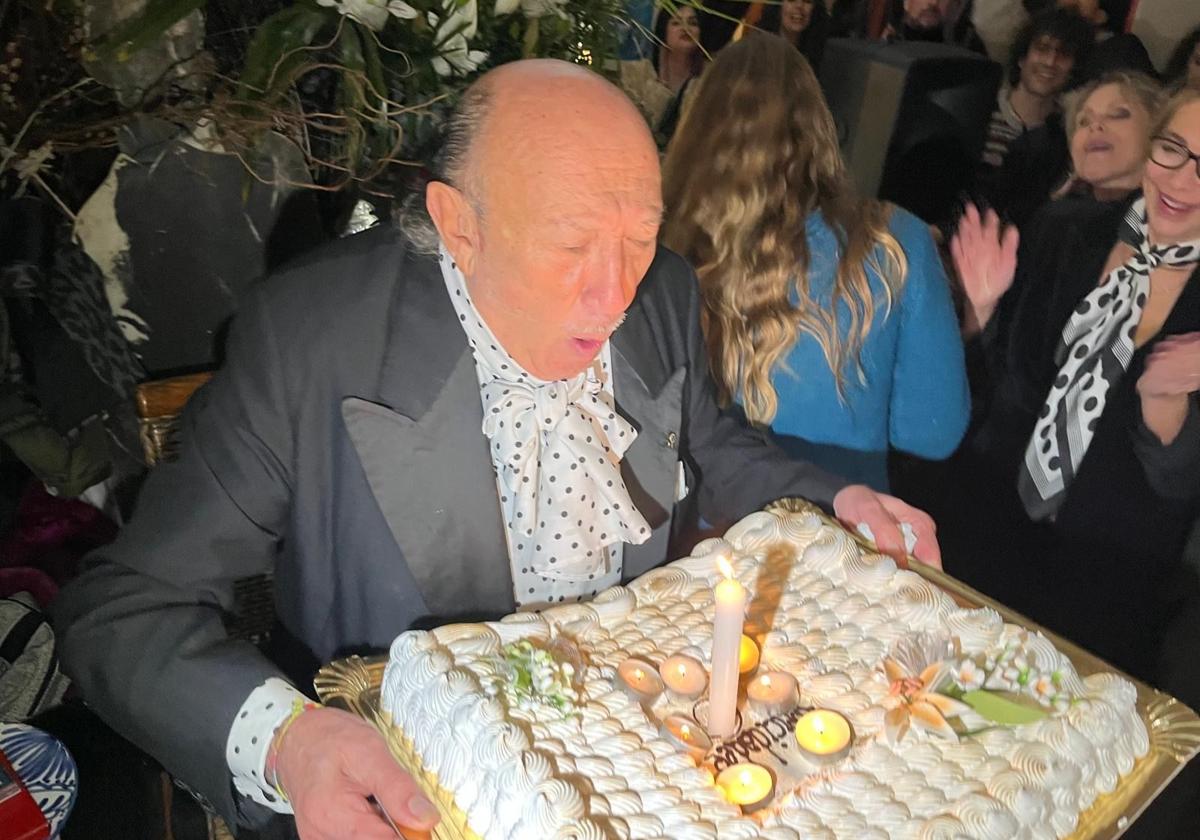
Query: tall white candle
{"type": "Point", "coordinates": [726, 643]}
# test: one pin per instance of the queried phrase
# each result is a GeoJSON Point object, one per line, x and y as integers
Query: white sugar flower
{"type": "Point", "coordinates": [1043, 687]}
{"type": "Point", "coordinates": [967, 675]}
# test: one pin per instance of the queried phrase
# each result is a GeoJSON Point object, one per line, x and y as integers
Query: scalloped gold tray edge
{"type": "Point", "coordinates": [353, 684]}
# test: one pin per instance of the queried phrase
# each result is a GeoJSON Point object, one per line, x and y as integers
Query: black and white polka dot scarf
{"type": "Point", "coordinates": [556, 448]}
{"type": "Point", "coordinates": [1097, 347]}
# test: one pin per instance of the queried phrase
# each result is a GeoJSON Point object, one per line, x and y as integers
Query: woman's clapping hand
{"type": "Point", "coordinates": [985, 258]}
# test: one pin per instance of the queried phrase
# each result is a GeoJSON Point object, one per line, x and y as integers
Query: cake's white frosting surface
{"type": "Point", "coordinates": [828, 613]}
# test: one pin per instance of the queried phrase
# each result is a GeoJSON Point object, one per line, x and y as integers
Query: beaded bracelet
{"type": "Point", "coordinates": [299, 706]}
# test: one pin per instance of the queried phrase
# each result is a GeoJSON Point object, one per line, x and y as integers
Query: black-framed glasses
{"type": "Point", "coordinates": [1171, 154]}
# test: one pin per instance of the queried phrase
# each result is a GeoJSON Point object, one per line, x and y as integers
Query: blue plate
{"type": "Point", "coordinates": [45, 767]}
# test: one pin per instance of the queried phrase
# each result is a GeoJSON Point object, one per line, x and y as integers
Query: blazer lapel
{"type": "Point", "coordinates": [426, 459]}
{"type": "Point", "coordinates": [650, 396]}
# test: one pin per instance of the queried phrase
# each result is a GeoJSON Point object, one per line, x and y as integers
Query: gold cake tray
{"type": "Point", "coordinates": [354, 684]}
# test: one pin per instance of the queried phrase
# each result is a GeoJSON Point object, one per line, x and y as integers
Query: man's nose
{"type": "Point", "coordinates": [613, 282]}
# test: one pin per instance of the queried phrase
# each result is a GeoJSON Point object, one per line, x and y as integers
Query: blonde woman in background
{"type": "Point", "coordinates": [1108, 125]}
{"type": "Point", "coordinates": [827, 316]}
{"type": "Point", "coordinates": [1108, 128]}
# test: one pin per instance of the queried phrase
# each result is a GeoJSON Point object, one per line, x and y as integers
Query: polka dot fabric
{"type": "Point", "coordinates": [250, 736]}
{"type": "Point", "coordinates": [556, 449]}
{"type": "Point", "coordinates": [1097, 347]}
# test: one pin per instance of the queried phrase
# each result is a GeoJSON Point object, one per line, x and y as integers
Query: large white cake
{"type": "Point", "coordinates": [855, 631]}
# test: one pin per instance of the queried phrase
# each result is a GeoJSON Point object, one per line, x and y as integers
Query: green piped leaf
{"type": "Point", "coordinates": [1004, 708]}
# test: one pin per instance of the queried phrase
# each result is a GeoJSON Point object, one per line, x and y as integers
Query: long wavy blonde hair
{"type": "Point", "coordinates": [755, 154]}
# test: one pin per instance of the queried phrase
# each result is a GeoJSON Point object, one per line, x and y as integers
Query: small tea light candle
{"type": "Point", "coordinates": [640, 680]}
{"type": "Point", "coordinates": [684, 676]}
{"type": "Point", "coordinates": [687, 734]}
{"type": "Point", "coordinates": [772, 692]}
{"type": "Point", "coordinates": [747, 655]}
{"type": "Point", "coordinates": [747, 785]}
{"type": "Point", "coordinates": [823, 735]}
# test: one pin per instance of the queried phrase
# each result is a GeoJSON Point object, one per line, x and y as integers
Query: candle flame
{"type": "Point", "coordinates": [685, 732]}
{"type": "Point", "coordinates": [766, 681]}
{"type": "Point", "coordinates": [682, 670]}
{"type": "Point", "coordinates": [818, 726]}
{"type": "Point", "coordinates": [639, 674]}
{"type": "Point", "coordinates": [723, 565]}
{"type": "Point", "coordinates": [745, 777]}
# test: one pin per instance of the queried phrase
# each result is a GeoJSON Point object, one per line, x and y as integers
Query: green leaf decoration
{"type": "Point", "coordinates": [280, 47]}
{"type": "Point", "coordinates": [144, 29]}
{"type": "Point", "coordinates": [1004, 708]}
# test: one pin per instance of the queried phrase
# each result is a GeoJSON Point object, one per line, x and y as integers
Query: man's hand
{"type": "Point", "coordinates": [985, 260]}
{"type": "Point", "coordinates": [328, 762]}
{"type": "Point", "coordinates": [858, 504]}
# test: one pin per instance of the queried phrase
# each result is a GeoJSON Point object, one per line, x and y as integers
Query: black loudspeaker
{"type": "Point", "coordinates": [912, 118]}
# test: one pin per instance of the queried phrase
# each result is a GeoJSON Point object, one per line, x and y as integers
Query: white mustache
{"type": "Point", "coordinates": [596, 329]}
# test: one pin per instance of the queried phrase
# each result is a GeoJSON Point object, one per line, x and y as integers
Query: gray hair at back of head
{"type": "Point", "coordinates": [1149, 93]}
{"type": "Point", "coordinates": [450, 167]}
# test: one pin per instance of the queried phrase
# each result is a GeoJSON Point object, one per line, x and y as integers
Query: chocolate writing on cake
{"type": "Point", "coordinates": [774, 736]}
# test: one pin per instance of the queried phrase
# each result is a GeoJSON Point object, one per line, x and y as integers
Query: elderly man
{"type": "Point", "coordinates": [507, 406]}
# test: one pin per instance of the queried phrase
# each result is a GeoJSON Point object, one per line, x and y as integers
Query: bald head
{"type": "Point", "coordinates": [525, 110]}
{"type": "Point", "coordinates": [550, 202]}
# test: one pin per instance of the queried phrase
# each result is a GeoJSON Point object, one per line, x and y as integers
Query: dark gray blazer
{"type": "Point", "coordinates": [341, 447]}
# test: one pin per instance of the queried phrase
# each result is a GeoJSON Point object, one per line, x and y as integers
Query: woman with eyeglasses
{"type": "Point", "coordinates": [1086, 471]}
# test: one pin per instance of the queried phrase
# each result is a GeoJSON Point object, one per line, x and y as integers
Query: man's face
{"type": "Point", "coordinates": [568, 230]}
{"type": "Point", "coordinates": [1046, 67]}
{"type": "Point", "coordinates": [923, 14]}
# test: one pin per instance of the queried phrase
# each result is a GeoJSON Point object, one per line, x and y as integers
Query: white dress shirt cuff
{"type": "Point", "coordinates": [254, 726]}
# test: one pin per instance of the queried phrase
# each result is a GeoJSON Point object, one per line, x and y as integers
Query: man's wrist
{"type": "Point", "coordinates": [251, 735]}
{"type": "Point", "coordinates": [270, 767]}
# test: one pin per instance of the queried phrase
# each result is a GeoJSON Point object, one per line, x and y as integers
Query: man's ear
{"type": "Point", "coordinates": [456, 221]}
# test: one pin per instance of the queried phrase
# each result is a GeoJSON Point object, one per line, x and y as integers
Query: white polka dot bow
{"type": "Point", "coordinates": [556, 448]}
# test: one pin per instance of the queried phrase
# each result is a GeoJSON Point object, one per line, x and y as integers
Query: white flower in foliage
{"type": "Point", "coordinates": [457, 24]}
{"type": "Point", "coordinates": [372, 14]}
{"type": "Point", "coordinates": [402, 10]}
{"type": "Point", "coordinates": [531, 8]}
{"type": "Point", "coordinates": [541, 8]}
{"type": "Point", "coordinates": [457, 58]}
